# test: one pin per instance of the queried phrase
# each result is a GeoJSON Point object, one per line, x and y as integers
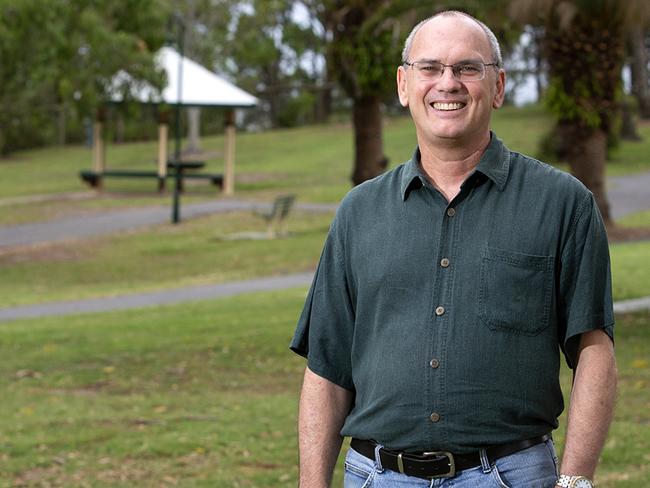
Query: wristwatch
{"type": "Point", "coordinates": [566, 481]}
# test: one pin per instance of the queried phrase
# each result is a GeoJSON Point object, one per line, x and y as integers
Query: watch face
{"type": "Point", "coordinates": [582, 483]}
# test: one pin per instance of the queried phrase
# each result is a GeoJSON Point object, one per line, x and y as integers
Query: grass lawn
{"type": "Point", "coordinates": [205, 394]}
{"type": "Point", "coordinates": [314, 162]}
{"type": "Point", "coordinates": [167, 256]}
{"type": "Point", "coordinates": [163, 256]}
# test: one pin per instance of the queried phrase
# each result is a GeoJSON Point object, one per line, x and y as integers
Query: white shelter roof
{"type": "Point", "coordinates": [200, 86]}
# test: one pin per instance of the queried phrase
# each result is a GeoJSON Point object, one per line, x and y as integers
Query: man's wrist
{"type": "Point", "coordinates": [569, 481]}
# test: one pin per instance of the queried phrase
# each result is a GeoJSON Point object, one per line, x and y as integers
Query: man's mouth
{"type": "Point", "coordinates": [447, 106]}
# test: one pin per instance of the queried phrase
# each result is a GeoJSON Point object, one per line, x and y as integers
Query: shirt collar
{"type": "Point", "coordinates": [412, 176]}
{"type": "Point", "coordinates": [494, 163]}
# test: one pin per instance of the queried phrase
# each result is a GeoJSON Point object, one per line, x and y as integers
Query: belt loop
{"type": "Point", "coordinates": [380, 468]}
{"type": "Point", "coordinates": [485, 461]}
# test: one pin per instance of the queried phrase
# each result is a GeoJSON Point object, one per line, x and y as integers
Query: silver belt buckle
{"type": "Point", "coordinates": [452, 464]}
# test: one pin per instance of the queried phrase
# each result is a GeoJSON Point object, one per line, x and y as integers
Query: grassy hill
{"type": "Point", "coordinates": [314, 161]}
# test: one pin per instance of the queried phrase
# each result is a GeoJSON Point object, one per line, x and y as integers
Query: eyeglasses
{"type": "Point", "coordinates": [465, 71]}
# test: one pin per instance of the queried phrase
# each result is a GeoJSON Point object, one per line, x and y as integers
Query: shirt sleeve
{"type": "Point", "coordinates": [585, 282]}
{"type": "Point", "coordinates": [325, 328]}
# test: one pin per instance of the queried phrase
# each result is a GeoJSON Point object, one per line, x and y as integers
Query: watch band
{"type": "Point", "coordinates": [566, 481]}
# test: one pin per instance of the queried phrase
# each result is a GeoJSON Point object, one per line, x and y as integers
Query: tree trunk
{"type": "Point", "coordinates": [323, 105]}
{"type": "Point", "coordinates": [639, 69]}
{"type": "Point", "coordinates": [193, 130]}
{"type": "Point", "coordinates": [628, 121]}
{"type": "Point", "coordinates": [539, 63]}
{"type": "Point", "coordinates": [120, 128]}
{"type": "Point", "coordinates": [369, 159]}
{"type": "Point", "coordinates": [587, 161]}
{"type": "Point", "coordinates": [61, 125]}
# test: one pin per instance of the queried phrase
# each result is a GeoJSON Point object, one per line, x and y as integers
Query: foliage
{"type": "Point", "coordinates": [585, 60]}
{"type": "Point", "coordinates": [365, 43]}
{"type": "Point", "coordinates": [60, 57]}
{"type": "Point", "coordinates": [274, 55]}
{"type": "Point", "coordinates": [583, 44]}
{"type": "Point", "coordinates": [584, 49]}
{"type": "Point", "coordinates": [205, 29]}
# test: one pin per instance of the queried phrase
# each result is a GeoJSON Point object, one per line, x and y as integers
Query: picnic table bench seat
{"type": "Point", "coordinates": [93, 178]}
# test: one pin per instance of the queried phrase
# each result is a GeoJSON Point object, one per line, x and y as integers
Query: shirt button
{"type": "Point", "coordinates": [434, 417]}
{"type": "Point", "coordinates": [451, 212]}
{"type": "Point", "coordinates": [434, 363]}
{"type": "Point", "coordinates": [440, 311]}
{"type": "Point", "coordinates": [444, 262]}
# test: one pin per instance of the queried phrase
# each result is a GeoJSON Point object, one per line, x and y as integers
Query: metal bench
{"type": "Point", "coordinates": [276, 217]}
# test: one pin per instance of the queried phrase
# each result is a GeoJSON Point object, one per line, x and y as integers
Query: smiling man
{"type": "Point", "coordinates": [447, 291]}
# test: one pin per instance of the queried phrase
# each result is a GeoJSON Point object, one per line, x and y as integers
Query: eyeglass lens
{"type": "Point", "coordinates": [432, 70]}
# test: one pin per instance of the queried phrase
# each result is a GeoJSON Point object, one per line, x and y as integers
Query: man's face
{"type": "Point", "coordinates": [446, 110]}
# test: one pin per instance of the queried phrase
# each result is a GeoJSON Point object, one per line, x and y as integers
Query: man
{"type": "Point", "coordinates": [445, 292]}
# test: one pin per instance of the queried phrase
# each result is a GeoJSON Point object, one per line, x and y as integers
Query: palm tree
{"type": "Point", "coordinates": [584, 48]}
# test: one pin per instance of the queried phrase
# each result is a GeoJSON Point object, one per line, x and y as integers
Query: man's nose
{"type": "Point", "coordinates": [447, 82]}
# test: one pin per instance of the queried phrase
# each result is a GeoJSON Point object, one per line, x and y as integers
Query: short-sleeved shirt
{"type": "Point", "coordinates": [446, 319]}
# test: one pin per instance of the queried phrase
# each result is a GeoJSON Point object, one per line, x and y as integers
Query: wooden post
{"type": "Point", "coordinates": [98, 147]}
{"type": "Point", "coordinates": [163, 131]}
{"type": "Point", "coordinates": [229, 169]}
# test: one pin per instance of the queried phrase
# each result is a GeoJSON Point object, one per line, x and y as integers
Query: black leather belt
{"type": "Point", "coordinates": [438, 464]}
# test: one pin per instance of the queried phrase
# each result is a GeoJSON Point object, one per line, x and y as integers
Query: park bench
{"type": "Point", "coordinates": [276, 217]}
{"type": "Point", "coordinates": [94, 178]}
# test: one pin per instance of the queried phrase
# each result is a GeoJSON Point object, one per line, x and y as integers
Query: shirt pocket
{"type": "Point", "coordinates": [515, 291]}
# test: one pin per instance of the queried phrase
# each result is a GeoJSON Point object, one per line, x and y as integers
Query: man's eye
{"type": "Point", "coordinates": [432, 68]}
{"type": "Point", "coordinates": [469, 69]}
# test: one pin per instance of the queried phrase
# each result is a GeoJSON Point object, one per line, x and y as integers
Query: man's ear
{"type": "Point", "coordinates": [499, 95]}
{"type": "Point", "coordinates": [402, 89]}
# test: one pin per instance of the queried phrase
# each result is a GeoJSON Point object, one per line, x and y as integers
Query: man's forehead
{"type": "Point", "coordinates": [456, 30]}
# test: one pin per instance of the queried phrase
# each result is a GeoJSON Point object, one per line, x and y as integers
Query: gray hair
{"type": "Point", "coordinates": [492, 39]}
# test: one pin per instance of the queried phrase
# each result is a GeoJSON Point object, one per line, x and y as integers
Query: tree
{"type": "Point", "coordinates": [584, 48]}
{"type": "Point", "coordinates": [269, 55]}
{"type": "Point", "coordinates": [205, 37]}
{"type": "Point", "coordinates": [365, 40]}
{"type": "Point", "coordinates": [365, 43]}
{"type": "Point", "coordinates": [639, 42]}
{"type": "Point", "coordinates": [60, 57]}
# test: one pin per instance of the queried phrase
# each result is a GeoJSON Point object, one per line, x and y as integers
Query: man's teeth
{"type": "Point", "coordinates": [448, 106]}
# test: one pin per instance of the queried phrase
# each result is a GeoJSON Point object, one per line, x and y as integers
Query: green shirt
{"type": "Point", "coordinates": [446, 319]}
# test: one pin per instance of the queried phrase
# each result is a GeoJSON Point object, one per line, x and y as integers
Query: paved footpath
{"type": "Point", "coordinates": [133, 218]}
{"type": "Point", "coordinates": [627, 194]}
{"type": "Point", "coordinates": [156, 298]}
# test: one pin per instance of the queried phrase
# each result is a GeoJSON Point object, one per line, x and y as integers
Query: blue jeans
{"type": "Point", "coordinates": [535, 467]}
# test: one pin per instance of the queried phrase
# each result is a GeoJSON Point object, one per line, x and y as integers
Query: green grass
{"type": "Point", "coordinates": [637, 219]}
{"type": "Point", "coordinates": [205, 394]}
{"type": "Point", "coordinates": [168, 256]}
{"type": "Point", "coordinates": [313, 161]}
{"type": "Point", "coordinates": [24, 210]}
{"type": "Point", "coordinates": [631, 156]}
{"type": "Point", "coordinates": [163, 256]}
{"type": "Point", "coordinates": [630, 264]}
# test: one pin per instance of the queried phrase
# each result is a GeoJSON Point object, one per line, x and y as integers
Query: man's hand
{"type": "Point", "coordinates": [323, 409]}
